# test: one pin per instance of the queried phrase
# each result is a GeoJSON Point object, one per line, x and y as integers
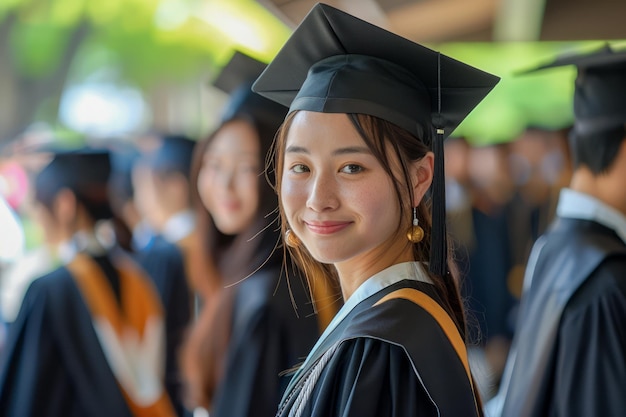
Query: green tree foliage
{"type": "Point", "coordinates": [45, 44]}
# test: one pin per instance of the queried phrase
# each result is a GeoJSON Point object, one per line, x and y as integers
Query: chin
{"type": "Point", "coordinates": [328, 256]}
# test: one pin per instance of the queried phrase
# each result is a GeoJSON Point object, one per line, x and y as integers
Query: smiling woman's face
{"type": "Point", "coordinates": [337, 197]}
{"type": "Point", "coordinates": [228, 182]}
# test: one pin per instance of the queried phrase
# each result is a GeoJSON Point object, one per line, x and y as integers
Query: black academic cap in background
{"type": "Point", "coordinates": [85, 172]}
{"type": "Point", "coordinates": [240, 69]}
{"type": "Point", "coordinates": [337, 63]}
{"type": "Point", "coordinates": [236, 79]}
{"type": "Point", "coordinates": [123, 157]}
{"type": "Point", "coordinates": [599, 90]}
{"type": "Point", "coordinates": [173, 154]}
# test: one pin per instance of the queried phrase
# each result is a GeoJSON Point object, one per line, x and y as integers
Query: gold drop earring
{"type": "Point", "coordinates": [291, 239]}
{"type": "Point", "coordinates": [415, 233]}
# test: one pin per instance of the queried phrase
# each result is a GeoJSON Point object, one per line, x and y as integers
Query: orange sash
{"type": "Point", "coordinates": [442, 318]}
{"type": "Point", "coordinates": [140, 305]}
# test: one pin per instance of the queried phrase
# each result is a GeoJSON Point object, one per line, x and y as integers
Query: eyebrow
{"type": "Point", "coordinates": [340, 151]}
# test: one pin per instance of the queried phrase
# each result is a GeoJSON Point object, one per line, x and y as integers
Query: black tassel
{"type": "Point", "coordinates": [439, 240]}
{"type": "Point", "coordinates": [438, 236]}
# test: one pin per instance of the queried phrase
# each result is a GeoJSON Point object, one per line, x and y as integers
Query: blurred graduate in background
{"type": "Point", "coordinates": [89, 339]}
{"type": "Point", "coordinates": [260, 322]}
{"type": "Point", "coordinates": [162, 261]}
{"type": "Point", "coordinates": [162, 197]}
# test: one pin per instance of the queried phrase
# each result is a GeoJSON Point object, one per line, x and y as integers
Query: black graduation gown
{"type": "Point", "coordinates": [53, 364]}
{"type": "Point", "coordinates": [570, 349]}
{"type": "Point", "coordinates": [268, 338]}
{"type": "Point", "coordinates": [391, 360]}
{"type": "Point", "coordinates": [163, 263]}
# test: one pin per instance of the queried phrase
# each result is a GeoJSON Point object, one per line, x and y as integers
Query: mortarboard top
{"type": "Point", "coordinates": [173, 154]}
{"type": "Point", "coordinates": [236, 79]}
{"type": "Point", "coordinates": [124, 155]}
{"type": "Point", "coordinates": [84, 171]}
{"type": "Point", "coordinates": [239, 70]}
{"type": "Point", "coordinates": [337, 63]}
{"type": "Point", "coordinates": [599, 90]}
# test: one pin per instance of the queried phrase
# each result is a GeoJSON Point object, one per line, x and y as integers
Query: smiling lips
{"type": "Point", "coordinates": [326, 228]}
{"type": "Point", "coordinates": [230, 205]}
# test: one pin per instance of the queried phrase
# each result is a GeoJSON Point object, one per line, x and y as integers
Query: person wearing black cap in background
{"type": "Point", "coordinates": [162, 261]}
{"type": "Point", "coordinates": [162, 197]}
{"type": "Point", "coordinates": [357, 153]}
{"type": "Point", "coordinates": [89, 337]}
{"type": "Point", "coordinates": [259, 322]}
{"type": "Point", "coordinates": [568, 355]}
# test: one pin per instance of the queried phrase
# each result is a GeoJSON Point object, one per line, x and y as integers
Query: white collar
{"type": "Point", "coordinates": [81, 242]}
{"type": "Point", "coordinates": [577, 205]}
{"type": "Point", "coordinates": [143, 234]}
{"type": "Point", "coordinates": [407, 270]}
{"type": "Point", "coordinates": [179, 226]}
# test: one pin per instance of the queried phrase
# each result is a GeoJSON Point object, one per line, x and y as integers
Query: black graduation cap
{"type": "Point", "coordinates": [599, 90]}
{"type": "Point", "coordinates": [123, 158]}
{"type": "Point", "coordinates": [236, 79]}
{"type": "Point", "coordinates": [173, 154]}
{"type": "Point", "coordinates": [240, 69]}
{"type": "Point", "coordinates": [85, 172]}
{"type": "Point", "coordinates": [337, 63]}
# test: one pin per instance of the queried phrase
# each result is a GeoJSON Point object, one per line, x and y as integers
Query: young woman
{"type": "Point", "coordinates": [259, 321]}
{"type": "Point", "coordinates": [354, 163]}
{"type": "Point", "coordinates": [89, 339]}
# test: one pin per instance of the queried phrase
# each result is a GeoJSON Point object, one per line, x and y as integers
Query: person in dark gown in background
{"type": "Point", "coordinates": [568, 354]}
{"type": "Point", "coordinates": [162, 261]}
{"type": "Point", "coordinates": [89, 338]}
{"type": "Point", "coordinates": [162, 197]}
{"type": "Point", "coordinates": [260, 320]}
{"type": "Point", "coordinates": [354, 160]}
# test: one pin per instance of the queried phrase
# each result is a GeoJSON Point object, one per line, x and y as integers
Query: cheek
{"type": "Point", "coordinates": [205, 187]}
{"type": "Point", "coordinates": [247, 189]}
{"type": "Point", "coordinates": [378, 202]}
{"type": "Point", "coordinates": [293, 197]}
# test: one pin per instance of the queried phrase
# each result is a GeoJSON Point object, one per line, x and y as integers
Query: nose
{"type": "Point", "coordinates": [225, 178]}
{"type": "Point", "coordinates": [323, 193]}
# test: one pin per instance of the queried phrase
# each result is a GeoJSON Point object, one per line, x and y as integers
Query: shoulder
{"type": "Point", "coordinates": [397, 317]}
{"type": "Point", "coordinates": [583, 235]}
{"type": "Point", "coordinates": [420, 327]}
{"type": "Point", "coordinates": [50, 284]}
{"type": "Point", "coordinates": [605, 286]}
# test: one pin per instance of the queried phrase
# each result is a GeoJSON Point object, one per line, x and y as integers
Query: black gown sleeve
{"type": "Point", "coordinates": [163, 262]}
{"type": "Point", "coordinates": [591, 352]}
{"type": "Point", "coordinates": [367, 377]}
{"type": "Point", "coordinates": [252, 384]}
{"type": "Point", "coordinates": [29, 368]}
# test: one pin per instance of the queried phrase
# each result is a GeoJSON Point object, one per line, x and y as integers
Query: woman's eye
{"type": "Point", "coordinates": [299, 168]}
{"type": "Point", "coordinates": [248, 169]}
{"type": "Point", "coordinates": [352, 169]}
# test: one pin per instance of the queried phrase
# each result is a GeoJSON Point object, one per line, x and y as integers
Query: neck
{"type": "Point", "coordinates": [607, 188]}
{"type": "Point", "coordinates": [355, 271]}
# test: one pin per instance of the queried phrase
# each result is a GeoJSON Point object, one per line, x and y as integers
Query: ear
{"type": "Point", "coordinates": [421, 176]}
{"type": "Point", "coordinates": [65, 207]}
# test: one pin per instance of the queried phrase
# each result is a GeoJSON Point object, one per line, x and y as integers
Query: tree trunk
{"type": "Point", "coordinates": [21, 96]}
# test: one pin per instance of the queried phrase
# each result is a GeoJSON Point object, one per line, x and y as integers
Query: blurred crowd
{"type": "Point", "coordinates": [499, 198]}
{"type": "Point", "coordinates": [204, 306]}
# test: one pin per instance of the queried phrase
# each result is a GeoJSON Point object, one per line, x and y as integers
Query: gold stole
{"type": "Point", "coordinates": [443, 319]}
{"type": "Point", "coordinates": [140, 322]}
